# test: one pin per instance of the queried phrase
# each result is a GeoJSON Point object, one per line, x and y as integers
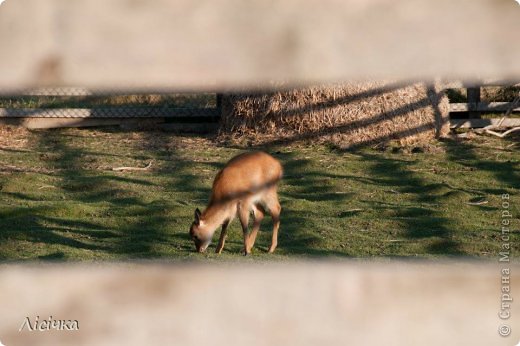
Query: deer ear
{"type": "Point", "coordinates": [197, 216]}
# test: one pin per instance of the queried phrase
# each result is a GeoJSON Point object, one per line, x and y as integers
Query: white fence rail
{"type": "Point", "coordinates": [187, 44]}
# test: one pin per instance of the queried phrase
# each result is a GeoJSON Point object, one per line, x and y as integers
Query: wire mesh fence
{"type": "Point", "coordinates": [84, 103]}
{"type": "Point", "coordinates": [77, 106]}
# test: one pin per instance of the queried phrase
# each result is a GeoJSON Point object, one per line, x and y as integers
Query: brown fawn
{"type": "Point", "coordinates": [248, 183]}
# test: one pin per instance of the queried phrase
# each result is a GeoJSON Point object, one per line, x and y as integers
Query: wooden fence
{"type": "Point", "coordinates": [308, 303]}
{"type": "Point", "coordinates": [474, 108]}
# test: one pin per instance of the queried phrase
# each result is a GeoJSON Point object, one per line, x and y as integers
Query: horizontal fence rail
{"type": "Point", "coordinates": [184, 44]}
{"type": "Point", "coordinates": [344, 303]}
{"type": "Point", "coordinates": [480, 123]}
{"type": "Point", "coordinates": [111, 112]}
{"type": "Point", "coordinates": [482, 107]}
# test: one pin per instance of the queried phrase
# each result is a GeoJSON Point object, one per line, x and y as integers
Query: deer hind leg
{"type": "Point", "coordinates": [273, 205]}
{"type": "Point", "coordinates": [258, 212]}
{"type": "Point", "coordinates": [222, 239]}
{"type": "Point", "coordinates": [244, 208]}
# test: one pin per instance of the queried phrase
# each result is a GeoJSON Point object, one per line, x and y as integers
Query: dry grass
{"type": "Point", "coordinates": [345, 114]}
{"type": "Point", "coordinates": [13, 137]}
{"type": "Point", "coordinates": [499, 93]}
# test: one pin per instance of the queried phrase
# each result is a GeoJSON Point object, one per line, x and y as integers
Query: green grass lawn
{"type": "Point", "coordinates": [61, 200]}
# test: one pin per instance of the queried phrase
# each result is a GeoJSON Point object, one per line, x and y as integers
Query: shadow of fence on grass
{"type": "Point", "coordinates": [98, 212]}
{"type": "Point", "coordinates": [420, 220]}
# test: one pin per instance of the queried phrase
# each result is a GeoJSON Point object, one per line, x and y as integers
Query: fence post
{"type": "Point", "coordinates": [219, 104]}
{"type": "Point", "coordinates": [473, 101]}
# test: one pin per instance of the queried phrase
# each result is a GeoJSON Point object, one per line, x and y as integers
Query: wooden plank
{"type": "Point", "coordinates": [482, 107]}
{"type": "Point", "coordinates": [391, 304]}
{"type": "Point", "coordinates": [219, 102]}
{"type": "Point", "coordinates": [500, 82]}
{"type": "Point", "coordinates": [479, 123]}
{"type": "Point", "coordinates": [125, 123]}
{"type": "Point", "coordinates": [53, 123]}
{"type": "Point", "coordinates": [459, 84]}
{"type": "Point", "coordinates": [82, 92]}
{"type": "Point", "coordinates": [185, 44]}
{"type": "Point", "coordinates": [110, 112]}
{"type": "Point", "coordinates": [55, 92]}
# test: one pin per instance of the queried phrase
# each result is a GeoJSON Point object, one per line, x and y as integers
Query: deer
{"type": "Point", "coordinates": [247, 184]}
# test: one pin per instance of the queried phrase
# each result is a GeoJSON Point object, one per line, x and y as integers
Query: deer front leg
{"type": "Point", "coordinates": [243, 215]}
{"type": "Point", "coordinates": [258, 213]}
{"type": "Point", "coordinates": [222, 239]}
{"type": "Point", "coordinates": [275, 210]}
{"type": "Point", "coordinates": [276, 226]}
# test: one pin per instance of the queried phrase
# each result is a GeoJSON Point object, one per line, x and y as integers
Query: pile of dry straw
{"type": "Point", "coordinates": [345, 114]}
